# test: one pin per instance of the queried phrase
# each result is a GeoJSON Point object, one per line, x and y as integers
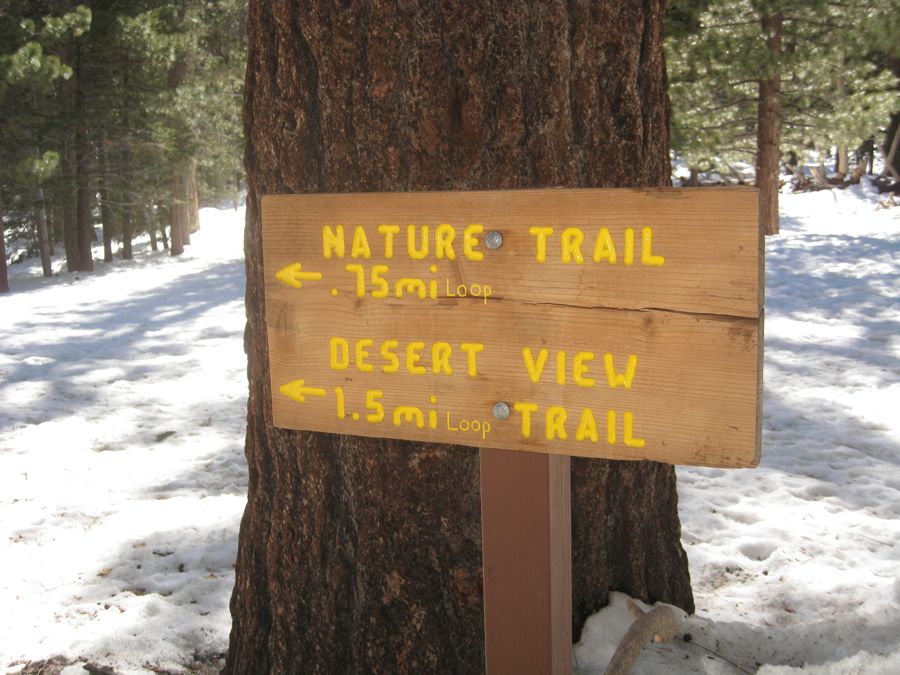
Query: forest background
{"type": "Point", "coordinates": [123, 118]}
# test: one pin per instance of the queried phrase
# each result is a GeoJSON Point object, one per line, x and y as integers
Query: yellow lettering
{"type": "Point", "coordinates": [604, 249]}
{"type": "Point", "coordinates": [408, 413]}
{"type": "Point", "coordinates": [629, 245]}
{"type": "Point", "coordinates": [333, 241]}
{"type": "Point", "coordinates": [611, 427]}
{"type": "Point", "coordinates": [579, 369]}
{"type": "Point", "coordinates": [416, 253]}
{"type": "Point", "coordinates": [338, 354]}
{"type": "Point", "coordinates": [360, 247]}
{"type": "Point", "coordinates": [571, 240]}
{"type": "Point", "coordinates": [560, 367]}
{"type": "Point", "coordinates": [470, 242]}
{"type": "Point", "coordinates": [525, 409]}
{"type": "Point", "coordinates": [440, 358]}
{"type": "Point", "coordinates": [413, 356]}
{"type": "Point", "coordinates": [587, 427]}
{"type": "Point", "coordinates": [410, 285]}
{"type": "Point", "coordinates": [541, 233]}
{"type": "Point", "coordinates": [647, 257]}
{"type": "Point", "coordinates": [472, 349]}
{"type": "Point", "coordinates": [628, 435]}
{"type": "Point", "coordinates": [387, 353]}
{"type": "Point", "coordinates": [362, 354]}
{"type": "Point", "coordinates": [388, 231]}
{"type": "Point", "coordinates": [556, 420]}
{"type": "Point", "coordinates": [534, 369]}
{"type": "Point", "coordinates": [443, 242]}
{"type": "Point", "coordinates": [372, 396]}
{"type": "Point", "coordinates": [359, 270]}
{"type": "Point", "coordinates": [614, 378]}
{"type": "Point", "coordinates": [383, 288]}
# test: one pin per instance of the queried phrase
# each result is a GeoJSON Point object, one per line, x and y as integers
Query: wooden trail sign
{"type": "Point", "coordinates": [612, 323]}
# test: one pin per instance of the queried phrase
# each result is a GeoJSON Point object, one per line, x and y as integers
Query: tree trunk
{"type": "Point", "coordinates": [150, 225]}
{"type": "Point", "coordinates": [768, 130]}
{"type": "Point", "coordinates": [842, 161]}
{"type": "Point", "coordinates": [178, 212]}
{"type": "Point", "coordinates": [364, 555]}
{"type": "Point", "coordinates": [842, 154]}
{"type": "Point", "coordinates": [193, 199]}
{"type": "Point", "coordinates": [85, 221]}
{"type": "Point", "coordinates": [69, 205]}
{"type": "Point", "coordinates": [40, 219]}
{"type": "Point", "coordinates": [4, 275]}
{"type": "Point", "coordinates": [84, 218]}
{"type": "Point", "coordinates": [162, 228]}
{"type": "Point", "coordinates": [105, 206]}
{"type": "Point", "coordinates": [891, 155]}
{"type": "Point", "coordinates": [50, 213]}
{"type": "Point", "coordinates": [128, 197]}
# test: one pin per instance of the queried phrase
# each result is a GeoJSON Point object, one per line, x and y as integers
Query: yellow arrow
{"type": "Point", "coordinates": [296, 391]}
{"type": "Point", "coordinates": [293, 275]}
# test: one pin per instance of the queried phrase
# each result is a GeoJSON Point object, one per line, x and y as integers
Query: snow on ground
{"type": "Point", "coordinates": [122, 476]}
{"type": "Point", "coordinates": [122, 479]}
{"type": "Point", "coordinates": [797, 562]}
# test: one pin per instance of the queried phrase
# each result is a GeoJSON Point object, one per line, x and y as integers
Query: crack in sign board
{"type": "Point", "coordinates": [623, 324]}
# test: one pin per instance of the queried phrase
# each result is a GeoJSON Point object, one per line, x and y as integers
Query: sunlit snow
{"type": "Point", "coordinates": [122, 477]}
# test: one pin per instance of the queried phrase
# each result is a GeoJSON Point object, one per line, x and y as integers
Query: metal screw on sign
{"type": "Point", "coordinates": [493, 240]}
{"type": "Point", "coordinates": [501, 410]}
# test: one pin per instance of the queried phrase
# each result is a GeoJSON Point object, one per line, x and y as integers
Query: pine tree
{"type": "Point", "coordinates": [753, 78]}
{"type": "Point", "coordinates": [29, 68]}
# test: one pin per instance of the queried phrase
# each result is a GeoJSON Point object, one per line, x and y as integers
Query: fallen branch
{"type": "Point", "coordinates": [658, 624]}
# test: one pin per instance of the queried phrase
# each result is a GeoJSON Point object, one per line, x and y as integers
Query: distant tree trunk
{"type": "Point", "coordinates": [891, 154]}
{"type": "Point", "coordinates": [162, 228]}
{"type": "Point", "coordinates": [85, 221]}
{"type": "Point", "coordinates": [842, 154]}
{"type": "Point", "coordinates": [50, 213]}
{"type": "Point", "coordinates": [106, 211]}
{"type": "Point", "coordinates": [69, 205]}
{"type": "Point", "coordinates": [194, 199]}
{"type": "Point", "coordinates": [150, 225]}
{"type": "Point", "coordinates": [842, 161]}
{"type": "Point", "coordinates": [180, 209]}
{"type": "Point", "coordinates": [129, 207]}
{"type": "Point", "coordinates": [68, 191]}
{"type": "Point", "coordinates": [40, 219]}
{"type": "Point", "coordinates": [362, 555]}
{"type": "Point", "coordinates": [768, 134]}
{"type": "Point", "coordinates": [175, 218]}
{"type": "Point", "coordinates": [4, 275]}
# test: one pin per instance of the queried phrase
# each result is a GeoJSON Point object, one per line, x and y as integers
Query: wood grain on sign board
{"type": "Point", "coordinates": [692, 324]}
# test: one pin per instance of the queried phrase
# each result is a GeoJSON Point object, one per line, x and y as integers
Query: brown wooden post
{"type": "Point", "coordinates": [527, 552]}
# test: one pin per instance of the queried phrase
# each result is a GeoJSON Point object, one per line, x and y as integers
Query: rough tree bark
{"type": "Point", "coordinates": [361, 555]}
{"type": "Point", "coordinates": [768, 130]}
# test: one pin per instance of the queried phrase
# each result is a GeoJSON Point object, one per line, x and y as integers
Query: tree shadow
{"type": "Point", "coordinates": [116, 342]}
